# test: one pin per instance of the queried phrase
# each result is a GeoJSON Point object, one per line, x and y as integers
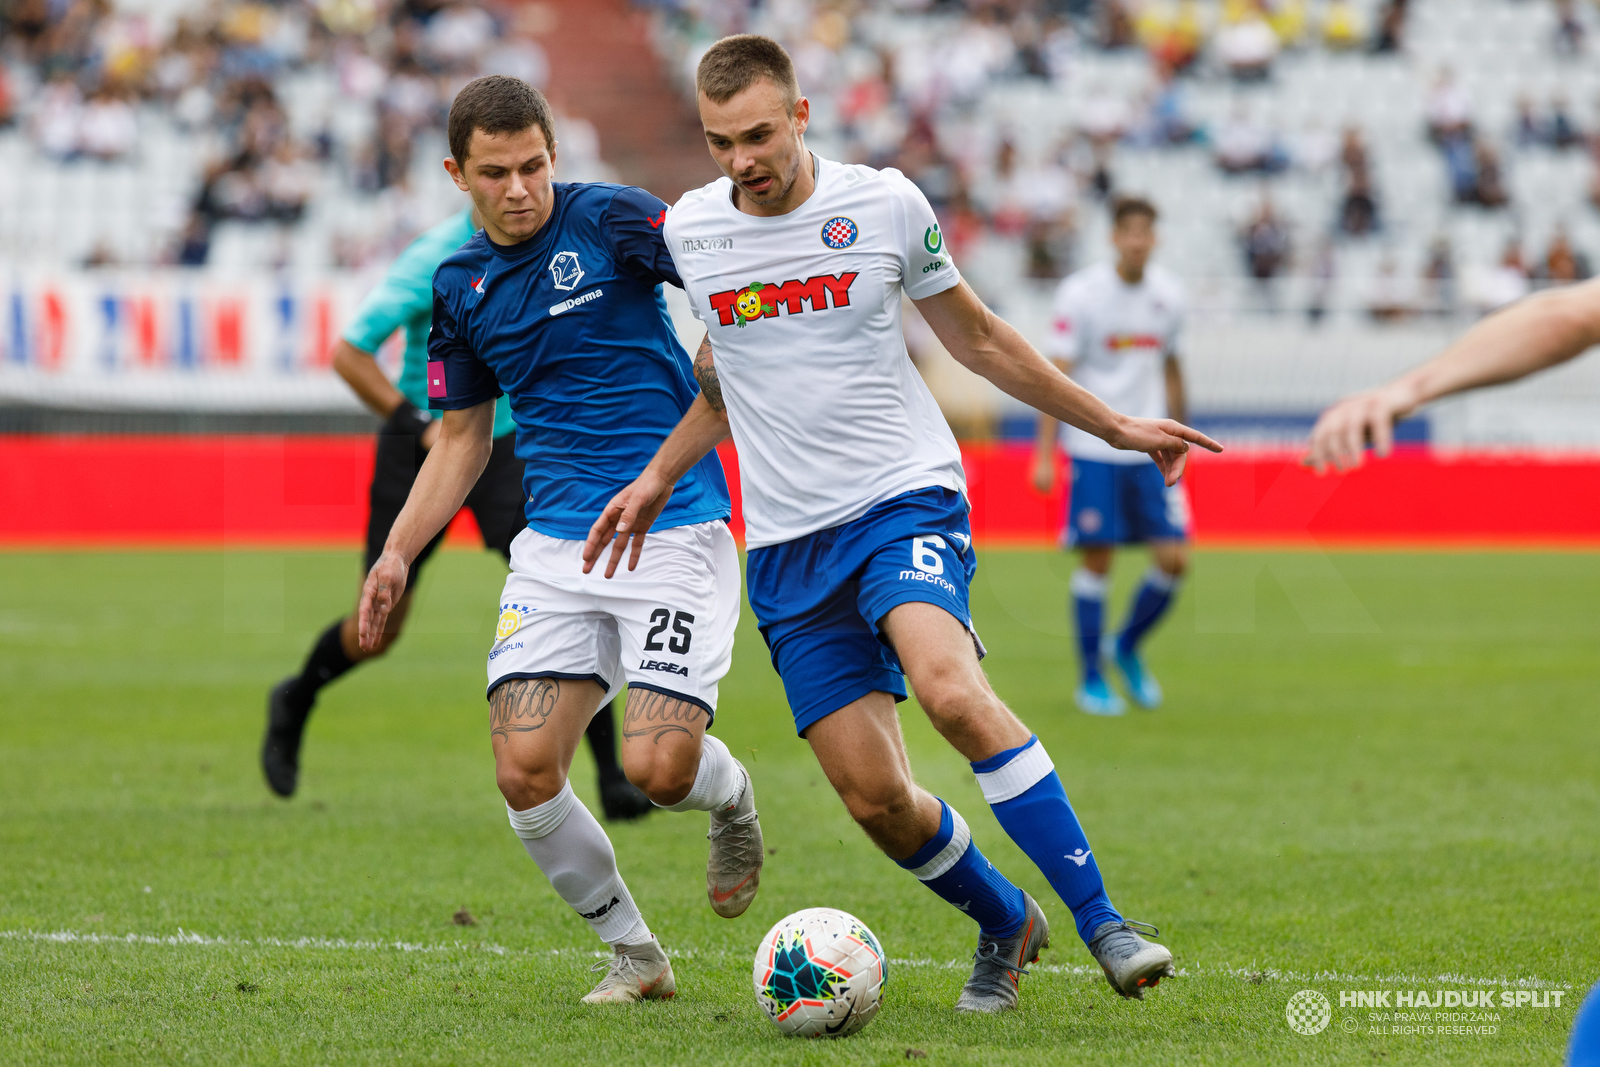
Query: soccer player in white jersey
{"type": "Point", "coordinates": [1115, 330]}
{"type": "Point", "coordinates": [856, 519]}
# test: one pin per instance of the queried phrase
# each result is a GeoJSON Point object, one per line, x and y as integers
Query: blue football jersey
{"type": "Point", "coordinates": [572, 326]}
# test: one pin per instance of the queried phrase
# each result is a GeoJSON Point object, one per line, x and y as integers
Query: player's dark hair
{"type": "Point", "coordinates": [497, 104]}
{"type": "Point", "coordinates": [1124, 207]}
{"type": "Point", "coordinates": [730, 66]}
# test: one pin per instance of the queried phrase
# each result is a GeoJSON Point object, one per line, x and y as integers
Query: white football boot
{"type": "Point", "coordinates": [634, 973]}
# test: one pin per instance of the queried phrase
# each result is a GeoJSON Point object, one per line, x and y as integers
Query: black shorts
{"type": "Point", "coordinates": [496, 501]}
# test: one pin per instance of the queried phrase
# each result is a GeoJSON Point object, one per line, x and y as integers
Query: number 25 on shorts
{"type": "Point", "coordinates": [680, 623]}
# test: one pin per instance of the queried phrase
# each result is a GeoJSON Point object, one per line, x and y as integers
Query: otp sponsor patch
{"type": "Point", "coordinates": [839, 232]}
{"type": "Point", "coordinates": [436, 388]}
{"type": "Point", "coordinates": [510, 620]}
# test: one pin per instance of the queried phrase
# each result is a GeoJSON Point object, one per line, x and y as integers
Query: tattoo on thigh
{"type": "Point", "coordinates": [522, 704]}
{"type": "Point", "coordinates": [655, 715]}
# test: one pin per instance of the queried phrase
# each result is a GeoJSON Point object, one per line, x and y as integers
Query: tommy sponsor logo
{"type": "Point", "coordinates": [762, 300]}
{"type": "Point", "coordinates": [658, 665]}
{"type": "Point", "coordinates": [602, 909]}
{"type": "Point", "coordinates": [1121, 342]}
{"type": "Point", "coordinates": [568, 305]}
{"type": "Point", "coordinates": [565, 271]}
{"type": "Point", "coordinates": [707, 244]}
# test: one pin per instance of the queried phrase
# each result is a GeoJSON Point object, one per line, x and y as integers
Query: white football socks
{"type": "Point", "coordinates": [718, 782]}
{"type": "Point", "coordinates": [572, 850]}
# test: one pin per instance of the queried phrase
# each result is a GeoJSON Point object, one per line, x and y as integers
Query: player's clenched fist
{"type": "Point", "coordinates": [1344, 430]}
{"type": "Point", "coordinates": [385, 585]}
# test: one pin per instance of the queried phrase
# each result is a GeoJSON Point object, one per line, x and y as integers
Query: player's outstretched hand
{"type": "Point", "coordinates": [385, 585]}
{"type": "Point", "coordinates": [1343, 431]}
{"type": "Point", "coordinates": [1044, 472]}
{"type": "Point", "coordinates": [626, 519]}
{"type": "Point", "coordinates": [1166, 440]}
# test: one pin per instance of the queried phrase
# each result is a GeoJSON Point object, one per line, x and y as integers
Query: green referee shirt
{"type": "Point", "coordinates": [404, 301]}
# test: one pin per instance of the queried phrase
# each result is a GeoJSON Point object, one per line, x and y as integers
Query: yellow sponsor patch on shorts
{"type": "Point", "coordinates": [510, 620]}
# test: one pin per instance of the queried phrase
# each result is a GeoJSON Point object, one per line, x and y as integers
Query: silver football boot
{"type": "Point", "coordinates": [999, 965]}
{"type": "Point", "coordinates": [1131, 963]}
{"type": "Point", "coordinates": [733, 870]}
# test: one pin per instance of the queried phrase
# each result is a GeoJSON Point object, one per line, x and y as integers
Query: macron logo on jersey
{"type": "Point", "coordinates": [762, 301]}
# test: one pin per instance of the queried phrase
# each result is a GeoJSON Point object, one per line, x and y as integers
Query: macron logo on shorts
{"type": "Point", "coordinates": [436, 389]}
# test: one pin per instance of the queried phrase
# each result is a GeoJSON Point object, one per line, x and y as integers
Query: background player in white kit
{"type": "Point", "coordinates": [856, 518]}
{"type": "Point", "coordinates": [1115, 330]}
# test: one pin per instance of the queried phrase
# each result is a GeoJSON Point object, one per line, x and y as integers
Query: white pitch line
{"type": "Point", "coordinates": [189, 939]}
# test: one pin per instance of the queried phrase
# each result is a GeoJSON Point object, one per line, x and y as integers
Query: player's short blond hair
{"type": "Point", "coordinates": [733, 64]}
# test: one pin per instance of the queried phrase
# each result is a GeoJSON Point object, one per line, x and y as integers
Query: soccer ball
{"type": "Point", "coordinates": [820, 973]}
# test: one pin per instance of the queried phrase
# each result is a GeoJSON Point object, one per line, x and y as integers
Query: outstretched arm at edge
{"type": "Point", "coordinates": [987, 345]}
{"type": "Point", "coordinates": [448, 474]}
{"type": "Point", "coordinates": [628, 517]}
{"type": "Point", "coordinates": [1528, 336]}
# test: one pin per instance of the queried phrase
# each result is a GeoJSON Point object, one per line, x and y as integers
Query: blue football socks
{"type": "Point", "coordinates": [1155, 595]}
{"type": "Point", "coordinates": [1022, 787]}
{"type": "Point", "coordinates": [951, 865]}
{"type": "Point", "coordinates": [1089, 610]}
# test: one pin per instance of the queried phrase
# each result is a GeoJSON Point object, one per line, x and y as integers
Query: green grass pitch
{"type": "Point", "coordinates": [1375, 772]}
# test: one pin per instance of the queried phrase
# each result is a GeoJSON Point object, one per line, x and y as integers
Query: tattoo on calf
{"type": "Point", "coordinates": [522, 704]}
{"type": "Point", "coordinates": [705, 372]}
{"type": "Point", "coordinates": [655, 715]}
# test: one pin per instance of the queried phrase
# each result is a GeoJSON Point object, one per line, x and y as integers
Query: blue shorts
{"type": "Point", "coordinates": [819, 598]}
{"type": "Point", "coordinates": [1123, 503]}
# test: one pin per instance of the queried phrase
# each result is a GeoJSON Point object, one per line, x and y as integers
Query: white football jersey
{"type": "Point", "coordinates": [1117, 337]}
{"type": "Point", "coordinates": [829, 415]}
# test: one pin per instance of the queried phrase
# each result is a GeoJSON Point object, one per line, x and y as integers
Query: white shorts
{"type": "Point", "coordinates": [667, 626]}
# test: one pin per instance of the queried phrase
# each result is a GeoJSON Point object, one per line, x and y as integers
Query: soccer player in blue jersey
{"type": "Point", "coordinates": [404, 301]}
{"type": "Point", "coordinates": [557, 304]}
{"type": "Point", "coordinates": [854, 501]}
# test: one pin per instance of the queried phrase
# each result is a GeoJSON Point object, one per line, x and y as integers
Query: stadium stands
{"type": "Point", "coordinates": [1328, 207]}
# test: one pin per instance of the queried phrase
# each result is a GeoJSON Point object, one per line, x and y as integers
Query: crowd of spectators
{"type": "Point", "coordinates": [82, 77]}
{"type": "Point", "coordinates": [905, 98]}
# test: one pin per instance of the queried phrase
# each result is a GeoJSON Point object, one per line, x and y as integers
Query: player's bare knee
{"type": "Point", "coordinates": [1173, 559]}
{"type": "Point", "coordinates": [527, 787]}
{"type": "Point", "coordinates": [879, 807]}
{"type": "Point", "coordinates": [951, 695]}
{"type": "Point", "coordinates": [665, 780]}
